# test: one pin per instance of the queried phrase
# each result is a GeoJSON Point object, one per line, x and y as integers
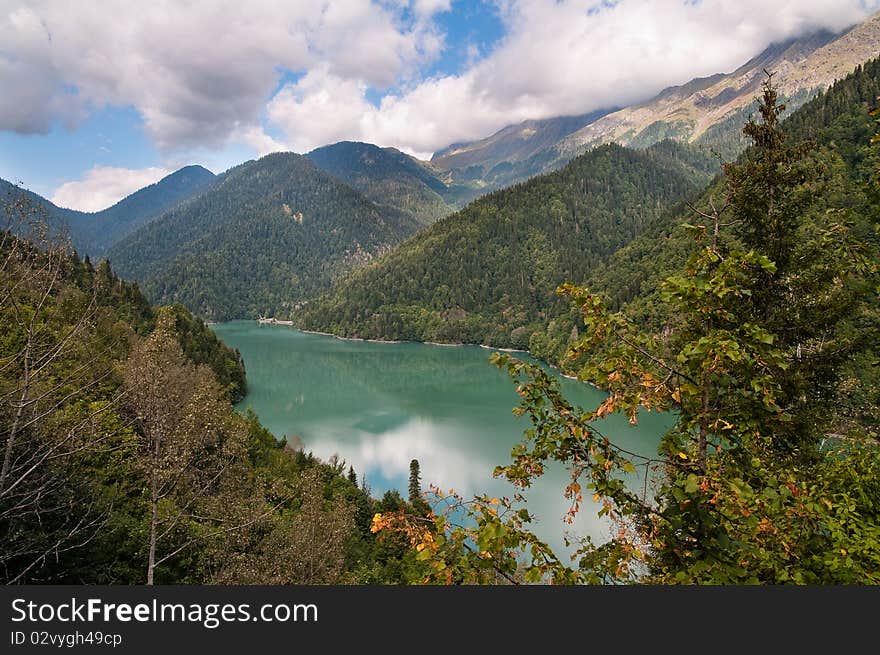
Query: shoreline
{"type": "Point", "coordinates": [457, 344]}
{"type": "Point", "coordinates": [558, 371]}
{"type": "Point", "coordinates": [336, 336]}
{"type": "Point", "coordinates": [505, 350]}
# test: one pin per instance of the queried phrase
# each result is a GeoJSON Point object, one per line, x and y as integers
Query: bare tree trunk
{"type": "Point", "coordinates": [154, 515]}
{"type": "Point", "coordinates": [13, 432]}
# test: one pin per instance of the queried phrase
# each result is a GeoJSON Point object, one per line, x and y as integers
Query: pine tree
{"type": "Point", "coordinates": [818, 280]}
{"type": "Point", "coordinates": [751, 488]}
{"type": "Point", "coordinates": [415, 482]}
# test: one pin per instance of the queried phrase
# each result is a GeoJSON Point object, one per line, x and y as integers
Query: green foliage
{"type": "Point", "coordinates": [394, 181]}
{"type": "Point", "coordinates": [268, 235]}
{"type": "Point", "coordinates": [486, 274]}
{"type": "Point", "coordinates": [750, 486]}
{"type": "Point", "coordinates": [237, 506]}
{"type": "Point", "coordinates": [831, 187]}
{"type": "Point", "coordinates": [837, 122]}
{"type": "Point", "coordinates": [94, 233]}
{"type": "Point", "coordinates": [201, 346]}
{"type": "Point", "coordinates": [416, 500]}
{"type": "Point", "coordinates": [727, 138]}
{"type": "Point", "coordinates": [199, 343]}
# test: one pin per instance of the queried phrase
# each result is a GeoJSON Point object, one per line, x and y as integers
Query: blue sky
{"type": "Point", "coordinates": [100, 102]}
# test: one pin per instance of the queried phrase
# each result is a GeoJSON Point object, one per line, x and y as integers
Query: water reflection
{"type": "Point", "coordinates": [378, 406]}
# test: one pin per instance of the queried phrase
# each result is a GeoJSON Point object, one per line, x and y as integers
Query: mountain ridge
{"type": "Point", "coordinates": [486, 274]}
{"type": "Point", "coordinates": [388, 177]}
{"type": "Point", "coordinates": [802, 67]}
{"type": "Point", "coordinates": [269, 233]}
{"type": "Point", "coordinates": [705, 111]}
{"type": "Point", "coordinates": [517, 142]}
{"type": "Point", "coordinates": [418, 292]}
{"type": "Point", "coordinates": [92, 233]}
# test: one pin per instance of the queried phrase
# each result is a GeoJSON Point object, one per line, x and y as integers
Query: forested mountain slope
{"type": "Point", "coordinates": [487, 273]}
{"type": "Point", "coordinates": [123, 461]}
{"type": "Point", "coordinates": [837, 122]}
{"type": "Point", "coordinates": [390, 178]}
{"type": "Point", "coordinates": [93, 233]}
{"type": "Point", "coordinates": [840, 184]}
{"type": "Point", "coordinates": [707, 111]}
{"type": "Point", "coordinates": [514, 153]}
{"type": "Point", "coordinates": [269, 234]}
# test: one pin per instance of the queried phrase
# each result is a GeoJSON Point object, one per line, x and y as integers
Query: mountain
{"type": "Point", "coordinates": [708, 112]}
{"type": "Point", "coordinates": [93, 233]}
{"type": "Point", "coordinates": [608, 220]}
{"type": "Point", "coordinates": [487, 274]}
{"type": "Point", "coordinates": [393, 180]}
{"type": "Point", "coordinates": [58, 217]}
{"type": "Point", "coordinates": [513, 153]}
{"type": "Point", "coordinates": [266, 235]}
{"type": "Point", "coordinates": [837, 121]}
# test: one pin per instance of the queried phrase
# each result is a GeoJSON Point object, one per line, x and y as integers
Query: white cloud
{"type": "Point", "coordinates": [199, 72]}
{"type": "Point", "coordinates": [431, 7]}
{"type": "Point", "coordinates": [559, 57]}
{"type": "Point", "coordinates": [104, 186]}
{"type": "Point", "coordinates": [320, 108]}
{"type": "Point", "coordinates": [256, 138]}
{"type": "Point", "coordinates": [204, 75]}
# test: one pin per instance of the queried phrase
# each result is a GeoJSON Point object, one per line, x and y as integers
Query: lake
{"type": "Point", "coordinates": [379, 405]}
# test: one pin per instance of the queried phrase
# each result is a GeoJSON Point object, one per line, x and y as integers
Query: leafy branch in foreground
{"type": "Point", "coordinates": [753, 487]}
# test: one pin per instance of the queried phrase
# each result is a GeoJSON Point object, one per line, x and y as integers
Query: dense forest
{"type": "Point", "coordinates": [96, 233]}
{"type": "Point", "coordinates": [124, 461]}
{"type": "Point", "coordinates": [836, 122]}
{"type": "Point", "coordinates": [486, 274]}
{"type": "Point", "coordinates": [515, 246]}
{"type": "Point", "coordinates": [269, 234]}
{"type": "Point", "coordinates": [393, 180]}
{"type": "Point", "coordinates": [766, 476]}
{"type": "Point", "coordinates": [836, 129]}
{"type": "Point", "coordinates": [93, 233]}
{"type": "Point", "coordinates": [747, 308]}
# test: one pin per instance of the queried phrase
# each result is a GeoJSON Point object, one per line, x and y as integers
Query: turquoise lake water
{"type": "Point", "coordinates": [379, 405]}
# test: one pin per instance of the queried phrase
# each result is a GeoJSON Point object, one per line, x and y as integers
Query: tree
{"type": "Point", "coordinates": [420, 506]}
{"type": "Point", "coordinates": [190, 445]}
{"type": "Point", "coordinates": [305, 546]}
{"type": "Point", "coordinates": [54, 357]}
{"type": "Point", "coordinates": [820, 274]}
{"type": "Point", "coordinates": [415, 482]}
{"type": "Point", "coordinates": [748, 489]}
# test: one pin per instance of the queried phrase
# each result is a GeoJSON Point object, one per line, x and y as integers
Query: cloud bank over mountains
{"type": "Point", "coordinates": [297, 75]}
{"type": "Point", "coordinates": [103, 186]}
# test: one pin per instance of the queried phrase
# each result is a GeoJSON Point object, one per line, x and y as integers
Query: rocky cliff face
{"type": "Point", "coordinates": [801, 68]}
{"type": "Point", "coordinates": [707, 111]}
